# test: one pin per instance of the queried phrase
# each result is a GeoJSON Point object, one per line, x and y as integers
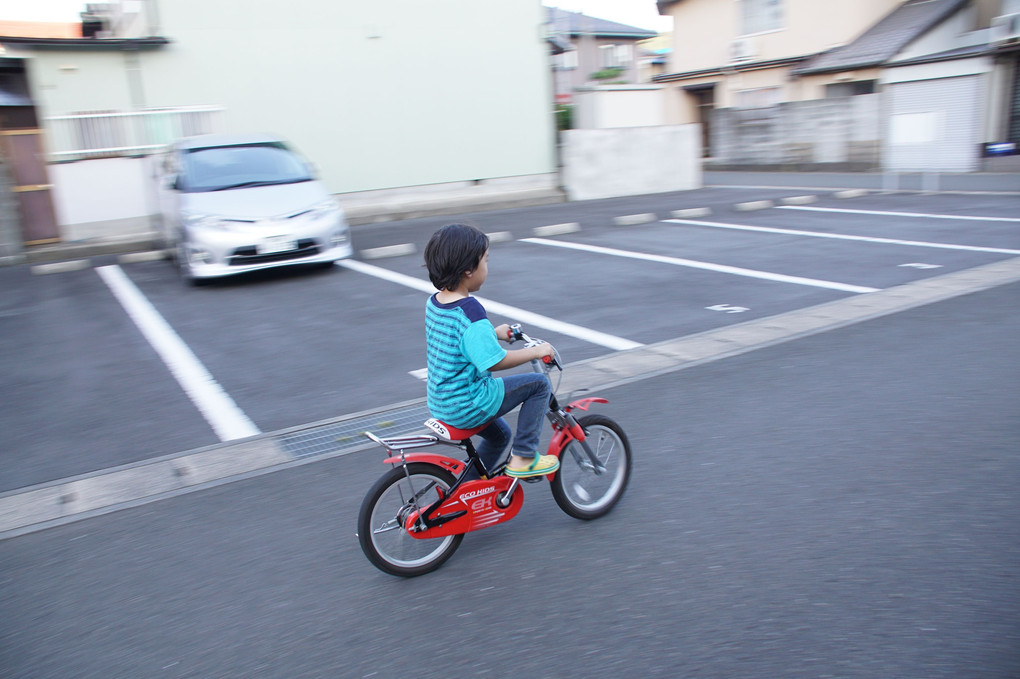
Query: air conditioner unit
{"type": "Point", "coordinates": [1005, 29]}
{"type": "Point", "coordinates": [742, 49]}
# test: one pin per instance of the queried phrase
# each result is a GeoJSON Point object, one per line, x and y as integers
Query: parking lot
{"type": "Point", "coordinates": [836, 497]}
{"type": "Point", "coordinates": [116, 361]}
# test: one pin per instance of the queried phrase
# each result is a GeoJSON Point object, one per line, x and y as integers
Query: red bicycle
{"type": "Point", "coordinates": [415, 516]}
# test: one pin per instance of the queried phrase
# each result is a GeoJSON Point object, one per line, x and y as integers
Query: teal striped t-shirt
{"type": "Point", "coordinates": [461, 345]}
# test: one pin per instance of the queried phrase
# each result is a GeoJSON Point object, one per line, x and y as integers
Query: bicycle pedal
{"type": "Point", "coordinates": [532, 479]}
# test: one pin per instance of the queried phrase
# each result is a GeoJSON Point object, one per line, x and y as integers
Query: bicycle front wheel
{"type": "Point", "coordinates": [578, 489]}
{"type": "Point", "coordinates": [393, 498]}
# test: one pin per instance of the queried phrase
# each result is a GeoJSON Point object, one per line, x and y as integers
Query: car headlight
{"type": "Point", "coordinates": [207, 222]}
{"type": "Point", "coordinates": [326, 208]}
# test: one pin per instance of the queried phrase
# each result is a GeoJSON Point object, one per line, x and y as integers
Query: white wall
{"type": "Point", "coordinates": [376, 94]}
{"type": "Point", "coordinates": [631, 161]}
{"type": "Point", "coordinates": [619, 106]}
{"type": "Point", "coordinates": [103, 197]}
{"type": "Point", "coordinates": [73, 81]}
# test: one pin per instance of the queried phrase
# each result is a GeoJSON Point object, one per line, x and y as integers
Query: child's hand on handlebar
{"type": "Point", "coordinates": [503, 333]}
{"type": "Point", "coordinates": [542, 350]}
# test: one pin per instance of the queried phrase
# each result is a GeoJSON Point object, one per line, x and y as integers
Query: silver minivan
{"type": "Point", "coordinates": [237, 203]}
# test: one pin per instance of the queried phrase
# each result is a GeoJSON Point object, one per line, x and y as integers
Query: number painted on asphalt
{"type": "Point", "coordinates": [728, 308]}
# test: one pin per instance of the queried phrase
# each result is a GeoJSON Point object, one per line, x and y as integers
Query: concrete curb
{"type": "Point", "coordinates": [754, 205]}
{"type": "Point", "coordinates": [556, 229]}
{"type": "Point", "coordinates": [851, 193]}
{"type": "Point", "coordinates": [799, 200]}
{"type": "Point", "coordinates": [691, 213]}
{"type": "Point", "coordinates": [634, 220]}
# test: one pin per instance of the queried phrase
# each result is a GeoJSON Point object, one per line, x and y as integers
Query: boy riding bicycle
{"type": "Point", "coordinates": [463, 349]}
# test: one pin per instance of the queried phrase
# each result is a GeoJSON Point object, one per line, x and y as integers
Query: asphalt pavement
{"type": "Point", "coordinates": [841, 505]}
{"type": "Point", "coordinates": [820, 394]}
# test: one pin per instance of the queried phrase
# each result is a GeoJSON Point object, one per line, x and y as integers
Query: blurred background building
{"type": "Point", "coordinates": [593, 51]}
{"type": "Point", "coordinates": [915, 85]}
{"type": "Point", "coordinates": [460, 96]}
{"type": "Point", "coordinates": [383, 96]}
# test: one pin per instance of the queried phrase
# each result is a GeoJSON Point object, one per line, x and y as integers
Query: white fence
{"type": "Point", "coordinates": [631, 161]}
{"type": "Point", "coordinates": [112, 134]}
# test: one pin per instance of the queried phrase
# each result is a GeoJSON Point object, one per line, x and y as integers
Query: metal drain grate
{"type": "Point", "coordinates": [347, 434]}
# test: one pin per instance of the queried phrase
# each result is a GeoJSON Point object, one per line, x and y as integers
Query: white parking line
{"type": "Point", "coordinates": [219, 410]}
{"type": "Point", "coordinates": [707, 266]}
{"type": "Point", "coordinates": [844, 236]}
{"type": "Point", "coordinates": [883, 213]}
{"type": "Point", "coordinates": [528, 318]}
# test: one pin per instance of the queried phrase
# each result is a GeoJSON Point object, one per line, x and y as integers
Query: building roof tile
{"type": "Point", "coordinates": [575, 23]}
{"type": "Point", "coordinates": [885, 39]}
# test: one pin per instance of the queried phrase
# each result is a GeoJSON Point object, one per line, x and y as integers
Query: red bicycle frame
{"type": "Point", "coordinates": [478, 504]}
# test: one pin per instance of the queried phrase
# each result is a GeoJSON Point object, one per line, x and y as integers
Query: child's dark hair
{"type": "Point", "coordinates": [452, 251]}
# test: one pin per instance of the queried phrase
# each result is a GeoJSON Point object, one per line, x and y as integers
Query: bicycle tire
{"type": "Point", "coordinates": [577, 489]}
{"type": "Point", "coordinates": [381, 532]}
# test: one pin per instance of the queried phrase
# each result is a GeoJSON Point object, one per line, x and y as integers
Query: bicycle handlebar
{"type": "Point", "coordinates": [517, 333]}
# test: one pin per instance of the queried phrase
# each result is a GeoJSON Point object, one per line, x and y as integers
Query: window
{"type": "Point", "coordinates": [615, 56]}
{"type": "Point", "coordinates": [759, 16]}
{"type": "Point", "coordinates": [223, 167]}
{"type": "Point", "coordinates": [849, 89]}
{"type": "Point", "coordinates": [607, 56]}
{"type": "Point", "coordinates": [567, 60]}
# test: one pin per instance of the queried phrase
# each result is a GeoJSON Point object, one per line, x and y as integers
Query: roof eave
{"type": "Point", "coordinates": [608, 34]}
{"type": "Point", "coordinates": [123, 44]}
{"type": "Point", "coordinates": [730, 68]}
{"type": "Point", "coordinates": [837, 69]}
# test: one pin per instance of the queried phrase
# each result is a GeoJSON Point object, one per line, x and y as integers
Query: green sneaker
{"type": "Point", "coordinates": [540, 466]}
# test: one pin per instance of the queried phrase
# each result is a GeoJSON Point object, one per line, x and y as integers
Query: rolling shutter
{"type": "Point", "coordinates": [934, 125]}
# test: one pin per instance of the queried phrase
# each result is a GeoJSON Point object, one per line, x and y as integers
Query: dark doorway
{"type": "Point", "coordinates": [21, 143]}
{"type": "Point", "coordinates": [704, 104]}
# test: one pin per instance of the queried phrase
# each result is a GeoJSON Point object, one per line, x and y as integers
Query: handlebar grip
{"type": "Point", "coordinates": [547, 359]}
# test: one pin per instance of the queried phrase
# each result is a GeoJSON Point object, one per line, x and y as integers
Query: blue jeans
{"type": "Point", "coordinates": [531, 391]}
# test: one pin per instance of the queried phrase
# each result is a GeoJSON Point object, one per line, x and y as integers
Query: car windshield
{"type": "Point", "coordinates": [232, 167]}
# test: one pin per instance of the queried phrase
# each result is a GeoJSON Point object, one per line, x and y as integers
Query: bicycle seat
{"type": "Point", "coordinates": [451, 433]}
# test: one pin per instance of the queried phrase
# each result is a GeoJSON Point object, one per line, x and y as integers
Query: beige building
{"type": "Point", "coordinates": [740, 53]}
{"type": "Point", "coordinates": [945, 67]}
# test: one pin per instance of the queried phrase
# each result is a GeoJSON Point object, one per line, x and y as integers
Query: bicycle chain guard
{"type": "Point", "coordinates": [477, 499]}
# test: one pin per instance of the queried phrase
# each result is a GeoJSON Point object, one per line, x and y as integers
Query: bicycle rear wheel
{"type": "Point", "coordinates": [578, 490]}
{"type": "Point", "coordinates": [381, 532]}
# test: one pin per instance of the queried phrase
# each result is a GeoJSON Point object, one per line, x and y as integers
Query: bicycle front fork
{"type": "Point", "coordinates": [565, 420]}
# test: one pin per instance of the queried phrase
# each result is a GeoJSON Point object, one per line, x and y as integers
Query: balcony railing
{"type": "Point", "coordinates": [113, 134]}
